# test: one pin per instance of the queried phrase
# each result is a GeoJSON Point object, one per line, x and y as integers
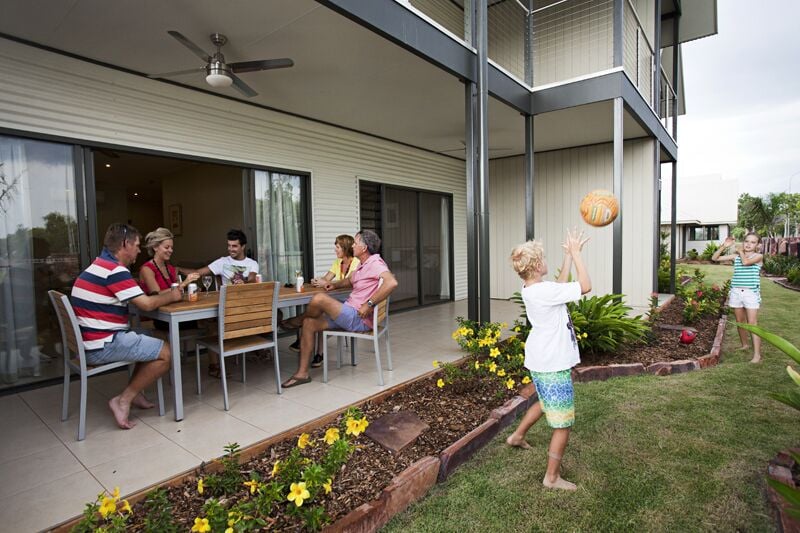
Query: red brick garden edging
{"type": "Point", "coordinates": [780, 469]}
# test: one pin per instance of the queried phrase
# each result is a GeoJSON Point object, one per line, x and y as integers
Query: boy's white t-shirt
{"type": "Point", "coordinates": [231, 270]}
{"type": "Point", "coordinates": [551, 345]}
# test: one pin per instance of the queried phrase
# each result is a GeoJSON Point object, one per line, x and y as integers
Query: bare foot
{"type": "Point", "coordinates": [742, 348]}
{"type": "Point", "coordinates": [517, 442]}
{"type": "Point", "coordinates": [141, 402]}
{"type": "Point", "coordinates": [559, 483]}
{"type": "Point", "coordinates": [121, 412]}
{"type": "Point", "coordinates": [756, 358]}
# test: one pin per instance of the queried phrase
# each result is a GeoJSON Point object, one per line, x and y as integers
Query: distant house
{"type": "Point", "coordinates": [706, 210]}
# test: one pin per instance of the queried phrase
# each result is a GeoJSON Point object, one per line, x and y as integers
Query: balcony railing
{"type": "Point", "coordinates": [668, 104]}
{"type": "Point", "coordinates": [637, 53]}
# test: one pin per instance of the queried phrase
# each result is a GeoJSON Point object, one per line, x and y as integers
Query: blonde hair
{"type": "Point", "coordinates": [527, 258]}
{"type": "Point", "coordinates": [156, 237]}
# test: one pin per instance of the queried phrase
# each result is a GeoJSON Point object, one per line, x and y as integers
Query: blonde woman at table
{"type": "Point", "coordinates": [344, 265]}
{"type": "Point", "coordinates": [158, 275]}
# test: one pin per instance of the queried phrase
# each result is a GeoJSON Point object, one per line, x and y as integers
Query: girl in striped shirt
{"type": "Point", "coordinates": [745, 296]}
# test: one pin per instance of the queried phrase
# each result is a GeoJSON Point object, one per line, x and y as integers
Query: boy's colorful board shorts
{"type": "Point", "coordinates": [556, 396]}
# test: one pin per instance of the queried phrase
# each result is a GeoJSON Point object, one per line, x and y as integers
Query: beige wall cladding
{"type": "Point", "coordinates": [562, 178]}
{"type": "Point", "coordinates": [46, 93]}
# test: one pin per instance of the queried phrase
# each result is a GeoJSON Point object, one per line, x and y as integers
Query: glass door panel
{"type": "Point", "coordinates": [434, 212]}
{"type": "Point", "coordinates": [39, 251]}
{"type": "Point", "coordinates": [400, 245]}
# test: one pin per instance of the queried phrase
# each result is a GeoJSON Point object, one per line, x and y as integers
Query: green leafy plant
{"type": "Point", "coordinates": [792, 399]}
{"type": "Point", "coordinates": [793, 276]}
{"type": "Point", "coordinates": [780, 265]}
{"type": "Point", "coordinates": [692, 255]}
{"type": "Point", "coordinates": [158, 511]}
{"type": "Point", "coordinates": [107, 514]}
{"type": "Point", "coordinates": [602, 323]}
{"type": "Point", "coordinates": [711, 247]}
{"type": "Point", "coordinates": [230, 479]}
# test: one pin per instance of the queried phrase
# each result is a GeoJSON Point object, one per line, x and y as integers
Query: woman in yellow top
{"type": "Point", "coordinates": [344, 265]}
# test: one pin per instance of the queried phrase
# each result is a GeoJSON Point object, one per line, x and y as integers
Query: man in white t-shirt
{"type": "Point", "coordinates": [234, 268]}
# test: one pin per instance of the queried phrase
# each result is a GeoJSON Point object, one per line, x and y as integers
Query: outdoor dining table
{"type": "Point", "coordinates": [207, 306]}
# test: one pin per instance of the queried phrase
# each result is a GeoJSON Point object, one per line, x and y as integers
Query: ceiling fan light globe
{"type": "Point", "coordinates": [218, 79]}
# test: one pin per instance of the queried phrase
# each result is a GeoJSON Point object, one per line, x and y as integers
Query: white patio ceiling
{"type": "Point", "coordinates": [343, 74]}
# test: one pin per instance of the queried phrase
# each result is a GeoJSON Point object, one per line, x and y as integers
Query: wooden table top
{"type": "Point", "coordinates": [208, 300]}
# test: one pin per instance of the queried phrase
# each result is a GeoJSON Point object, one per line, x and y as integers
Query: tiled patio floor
{"type": "Point", "coordinates": [47, 476]}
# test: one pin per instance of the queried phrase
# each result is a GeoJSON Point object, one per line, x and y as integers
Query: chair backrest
{"type": "Point", "coordinates": [71, 338]}
{"type": "Point", "coordinates": [380, 314]}
{"type": "Point", "coordinates": [248, 309]}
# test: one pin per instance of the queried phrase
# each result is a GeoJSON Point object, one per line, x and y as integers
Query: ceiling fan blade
{"type": "Point", "coordinates": [242, 87]}
{"type": "Point", "coordinates": [199, 52]}
{"type": "Point", "coordinates": [177, 73]}
{"type": "Point", "coordinates": [266, 64]}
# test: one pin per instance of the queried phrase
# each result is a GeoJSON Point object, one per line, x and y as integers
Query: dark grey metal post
{"type": "Point", "coordinates": [470, 100]}
{"type": "Point", "coordinates": [617, 171]}
{"type": "Point", "coordinates": [676, 50]}
{"type": "Point", "coordinates": [619, 7]}
{"type": "Point", "coordinates": [657, 59]}
{"type": "Point", "coordinates": [482, 137]}
{"type": "Point", "coordinates": [657, 212]}
{"type": "Point", "coordinates": [529, 155]}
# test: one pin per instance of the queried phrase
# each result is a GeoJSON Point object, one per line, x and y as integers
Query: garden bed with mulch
{"type": "Point", "coordinates": [450, 414]}
{"type": "Point", "coordinates": [664, 344]}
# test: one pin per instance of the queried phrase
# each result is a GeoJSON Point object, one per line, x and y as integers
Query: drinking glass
{"type": "Point", "coordinates": [207, 282]}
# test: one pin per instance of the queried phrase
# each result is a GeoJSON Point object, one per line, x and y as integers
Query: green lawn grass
{"type": "Point", "coordinates": [686, 452]}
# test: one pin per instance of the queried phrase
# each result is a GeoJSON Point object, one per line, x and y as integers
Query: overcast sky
{"type": "Point", "coordinates": [743, 98]}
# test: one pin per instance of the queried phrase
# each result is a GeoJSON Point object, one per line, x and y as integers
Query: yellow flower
{"type": "Point", "coordinates": [440, 383]}
{"type": "Point", "coordinates": [362, 425]}
{"type": "Point", "coordinates": [352, 427]}
{"type": "Point", "coordinates": [501, 373]}
{"type": "Point", "coordinates": [229, 530]}
{"type": "Point", "coordinates": [327, 486]}
{"type": "Point", "coordinates": [454, 334]}
{"type": "Point", "coordinates": [108, 506]}
{"type": "Point", "coordinates": [522, 344]}
{"type": "Point", "coordinates": [200, 486]}
{"type": "Point", "coordinates": [517, 329]}
{"type": "Point", "coordinates": [303, 441]}
{"type": "Point", "coordinates": [298, 493]}
{"type": "Point", "coordinates": [275, 469]}
{"type": "Point", "coordinates": [503, 325]}
{"type": "Point", "coordinates": [201, 525]}
{"type": "Point", "coordinates": [492, 367]}
{"type": "Point", "coordinates": [510, 383]}
{"type": "Point", "coordinates": [526, 380]}
{"type": "Point", "coordinates": [116, 493]}
{"type": "Point", "coordinates": [126, 506]}
{"type": "Point", "coordinates": [585, 335]}
{"type": "Point", "coordinates": [331, 436]}
{"type": "Point", "coordinates": [477, 365]}
{"type": "Point", "coordinates": [494, 352]}
{"type": "Point", "coordinates": [468, 331]}
{"type": "Point", "coordinates": [435, 363]}
{"type": "Point", "coordinates": [252, 484]}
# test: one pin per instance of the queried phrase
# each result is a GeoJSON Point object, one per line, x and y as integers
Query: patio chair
{"type": "Point", "coordinates": [72, 343]}
{"type": "Point", "coordinates": [246, 312]}
{"type": "Point", "coordinates": [380, 328]}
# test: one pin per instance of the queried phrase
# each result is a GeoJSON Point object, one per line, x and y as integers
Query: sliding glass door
{"type": "Point", "coordinates": [416, 230]}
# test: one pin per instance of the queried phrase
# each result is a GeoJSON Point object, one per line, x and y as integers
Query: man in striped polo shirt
{"type": "Point", "coordinates": [100, 299]}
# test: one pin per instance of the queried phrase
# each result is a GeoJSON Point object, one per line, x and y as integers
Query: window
{"type": "Point", "coordinates": [281, 216]}
{"type": "Point", "coordinates": [704, 233]}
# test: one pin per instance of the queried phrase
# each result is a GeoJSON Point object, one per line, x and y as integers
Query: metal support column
{"type": "Point", "coordinates": [529, 161]}
{"type": "Point", "coordinates": [676, 50]}
{"type": "Point", "coordinates": [656, 212]}
{"type": "Point", "coordinates": [470, 100]}
{"type": "Point", "coordinates": [617, 171]}
{"type": "Point", "coordinates": [481, 138]}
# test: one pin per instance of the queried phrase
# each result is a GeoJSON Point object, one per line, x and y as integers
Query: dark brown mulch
{"type": "Point", "coordinates": [664, 345]}
{"type": "Point", "coordinates": [450, 414]}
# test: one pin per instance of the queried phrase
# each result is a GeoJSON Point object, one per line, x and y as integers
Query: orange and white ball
{"type": "Point", "coordinates": [599, 208]}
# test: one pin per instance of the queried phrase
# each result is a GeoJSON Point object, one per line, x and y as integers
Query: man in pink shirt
{"type": "Point", "coordinates": [372, 282]}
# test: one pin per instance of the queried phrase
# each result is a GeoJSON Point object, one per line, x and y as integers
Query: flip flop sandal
{"type": "Point", "coordinates": [293, 382]}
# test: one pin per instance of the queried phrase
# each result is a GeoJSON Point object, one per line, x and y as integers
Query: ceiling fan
{"type": "Point", "coordinates": [218, 72]}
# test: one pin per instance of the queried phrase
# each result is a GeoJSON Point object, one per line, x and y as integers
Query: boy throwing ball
{"type": "Point", "coordinates": [551, 349]}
